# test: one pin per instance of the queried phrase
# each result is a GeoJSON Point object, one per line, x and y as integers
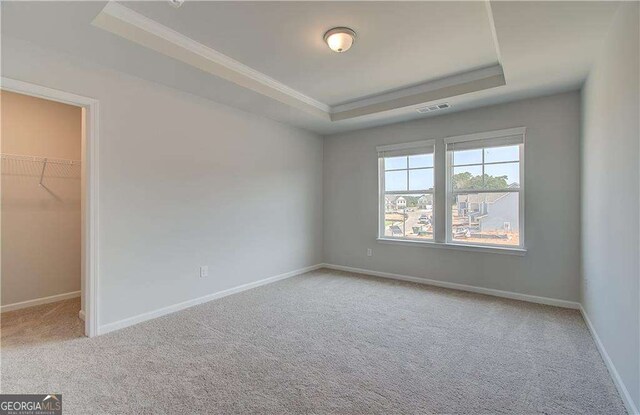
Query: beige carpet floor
{"type": "Point", "coordinates": [324, 342]}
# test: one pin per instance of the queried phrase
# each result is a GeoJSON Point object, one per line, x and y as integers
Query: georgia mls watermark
{"type": "Point", "coordinates": [31, 404]}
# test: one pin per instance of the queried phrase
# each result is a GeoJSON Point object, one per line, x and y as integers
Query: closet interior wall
{"type": "Point", "coordinates": [41, 222]}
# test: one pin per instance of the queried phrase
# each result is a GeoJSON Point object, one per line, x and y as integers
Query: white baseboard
{"type": "Point", "coordinates": [39, 301]}
{"type": "Point", "coordinates": [107, 328]}
{"type": "Point", "coordinates": [462, 287]}
{"type": "Point", "coordinates": [617, 380]}
{"type": "Point", "coordinates": [624, 393]}
{"type": "Point", "coordinates": [81, 315]}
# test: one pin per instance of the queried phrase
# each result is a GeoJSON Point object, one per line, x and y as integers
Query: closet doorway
{"type": "Point", "coordinates": [48, 149]}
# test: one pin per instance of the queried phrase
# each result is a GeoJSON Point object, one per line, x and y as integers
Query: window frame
{"type": "Point", "coordinates": [411, 149]}
{"type": "Point", "coordinates": [443, 193]}
{"type": "Point", "coordinates": [495, 137]}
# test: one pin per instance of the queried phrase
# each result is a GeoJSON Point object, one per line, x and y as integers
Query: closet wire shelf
{"type": "Point", "coordinates": [42, 167]}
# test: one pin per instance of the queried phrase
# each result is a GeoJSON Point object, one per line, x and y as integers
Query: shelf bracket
{"type": "Point", "coordinates": [44, 166]}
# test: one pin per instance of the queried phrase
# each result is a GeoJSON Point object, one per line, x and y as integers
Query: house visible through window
{"type": "Point", "coordinates": [484, 191]}
{"type": "Point", "coordinates": [483, 195]}
{"type": "Point", "coordinates": [407, 192]}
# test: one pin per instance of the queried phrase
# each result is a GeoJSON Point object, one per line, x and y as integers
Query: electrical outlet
{"type": "Point", "coordinates": [204, 271]}
{"type": "Point", "coordinates": [369, 252]}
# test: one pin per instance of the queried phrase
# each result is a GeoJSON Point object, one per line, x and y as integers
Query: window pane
{"type": "Point", "coordinates": [467, 157]}
{"type": "Point", "coordinates": [393, 163]}
{"type": "Point", "coordinates": [422, 160]}
{"type": "Point", "coordinates": [409, 216]}
{"type": "Point", "coordinates": [496, 154]}
{"type": "Point", "coordinates": [421, 179]}
{"type": "Point", "coordinates": [395, 180]}
{"type": "Point", "coordinates": [469, 177]}
{"type": "Point", "coordinates": [486, 218]}
{"type": "Point", "coordinates": [500, 176]}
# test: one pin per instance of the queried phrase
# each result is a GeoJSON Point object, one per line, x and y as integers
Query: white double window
{"type": "Point", "coordinates": [481, 198]}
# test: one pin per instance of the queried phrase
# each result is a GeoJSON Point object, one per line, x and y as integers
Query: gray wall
{"type": "Point", "coordinates": [552, 201]}
{"type": "Point", "coordinates": [186, 182]}
{"type": "Point", "coordinates": [610, 205]}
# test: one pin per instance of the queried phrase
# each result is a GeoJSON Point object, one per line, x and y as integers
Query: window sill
{"type": "Point", "coordinates": [458, 247]}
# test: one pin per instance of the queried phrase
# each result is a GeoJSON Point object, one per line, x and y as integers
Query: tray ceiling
{"type": "Point", "coordinates": [397, 45]}
{"type": "Point", "coordinates": [269, 58]}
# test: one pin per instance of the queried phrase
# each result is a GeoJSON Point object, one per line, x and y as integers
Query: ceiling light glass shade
{"type": "Point", "coordinates": [340, 39]}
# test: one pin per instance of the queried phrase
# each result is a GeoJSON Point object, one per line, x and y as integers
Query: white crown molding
{"type": "Point", "coordinates": [135, 27]}
{"type": "Point", "coordinates": [450, 86]}
{"type": "Point", "coordinates": [428, 86]}
{"type": "Point", "coordinates": [494, 32]}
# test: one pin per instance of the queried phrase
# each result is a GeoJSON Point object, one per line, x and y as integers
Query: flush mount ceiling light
{"type": "Point", "coordinates": [340, 39]}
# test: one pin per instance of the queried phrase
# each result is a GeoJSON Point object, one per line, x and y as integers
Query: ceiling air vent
{"type": "Point", "coordinates": [435, 107]}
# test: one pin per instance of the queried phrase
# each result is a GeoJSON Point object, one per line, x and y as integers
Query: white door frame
{"type": "Point", "coordinates": [90, 269]}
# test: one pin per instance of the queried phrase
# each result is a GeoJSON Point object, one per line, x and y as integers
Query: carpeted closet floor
{"type": "Point", "coordinates": [323, 342]}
